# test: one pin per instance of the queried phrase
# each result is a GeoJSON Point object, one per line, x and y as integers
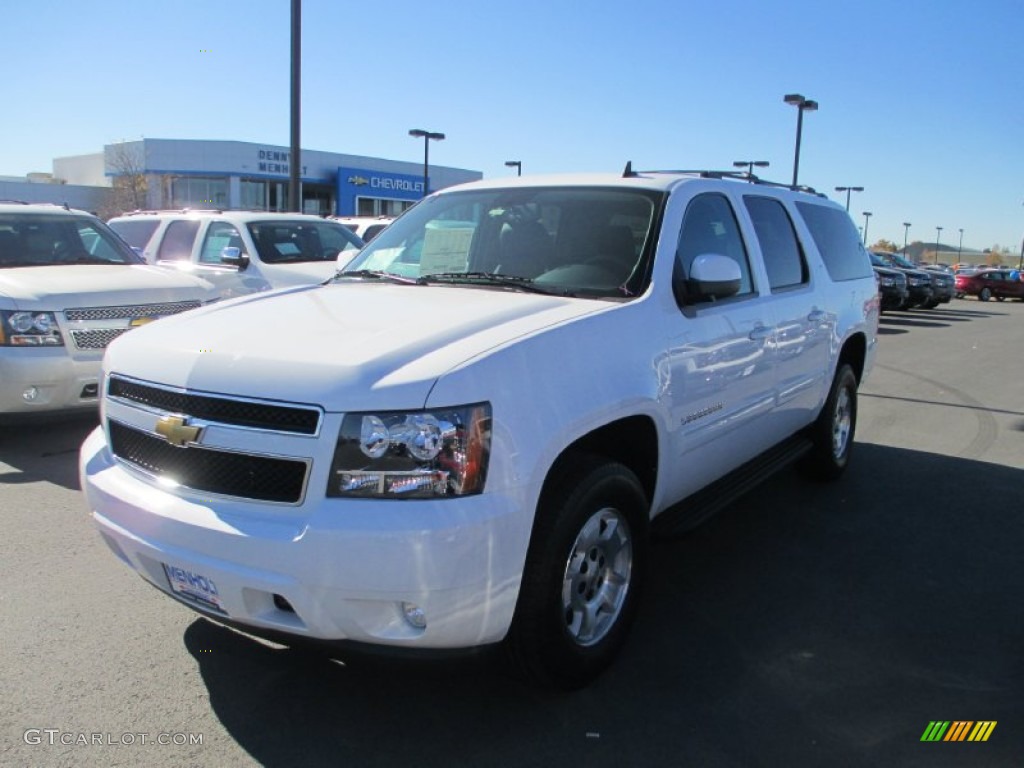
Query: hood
{"type": "Point", "coordinates": [60, 287]}
{"type": "Point", "coordinates": [278, 275]}
{"type": "Point", "coordinates": [343, 346]}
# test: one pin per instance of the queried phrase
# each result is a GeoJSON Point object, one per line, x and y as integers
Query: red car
{"type": "Point", "coordinates": [990, 283]}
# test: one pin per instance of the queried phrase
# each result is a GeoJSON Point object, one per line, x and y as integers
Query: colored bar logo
{"type": "Point", "coordinates": [958, 730]}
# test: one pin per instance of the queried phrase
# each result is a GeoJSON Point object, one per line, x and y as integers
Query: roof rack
{"type": "Point", "coordinates": [629, 172]}
{"type": "Point", "coordinates": [63, 205]}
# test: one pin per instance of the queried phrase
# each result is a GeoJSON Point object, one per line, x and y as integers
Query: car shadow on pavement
{"type": "Point", "coordinates": [44, 451]}
{"type": "Point", "coordinates": [911, 321]}
{"type": "Point", "coordinates": [805, 624]}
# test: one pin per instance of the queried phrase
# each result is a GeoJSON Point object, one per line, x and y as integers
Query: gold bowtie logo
{"type": "Point", "coordinates": [177, 432]}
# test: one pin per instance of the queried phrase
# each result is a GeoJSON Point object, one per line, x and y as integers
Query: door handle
{"type": "Point", "coordinates": [816, 316]}
{"type": "Point", "coordinates": [760, 333]}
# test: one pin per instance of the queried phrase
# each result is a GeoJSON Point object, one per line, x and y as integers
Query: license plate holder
{"type": "Point", "coordinates": [194, 587]}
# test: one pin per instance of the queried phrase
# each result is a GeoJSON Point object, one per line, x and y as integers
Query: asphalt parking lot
{"type": "Point", "coordinates": [805, 625]}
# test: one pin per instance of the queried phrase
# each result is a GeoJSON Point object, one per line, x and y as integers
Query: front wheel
{"type": "Point", "coordinates": [583, 575]}
{"type": "Point", "coordinates": [985, 294]}
{"type": "Point", "coordinates": [832, 432]}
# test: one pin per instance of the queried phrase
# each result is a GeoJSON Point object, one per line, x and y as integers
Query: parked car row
{"type": "Point", "coordinates": [70, 284]}
{"type": "Point", "coordinates": [904, 285]}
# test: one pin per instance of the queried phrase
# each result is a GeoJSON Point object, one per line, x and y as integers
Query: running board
{"type": "Point", "coordinates": [694, 510]}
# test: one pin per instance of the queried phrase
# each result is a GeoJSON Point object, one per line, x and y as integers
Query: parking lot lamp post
{"type": "Point", "coordinates": [517, 164]}
{"type": "Point", "coordinates": [797, 100]}
{"type": "Point", "coordinates": [750, 165]}
{"type": "Point", "coordinates": [426, 136]}
{"type": "Point", "coordinates": [938, 236]}
{"type": "Point", "coordinates": [960, 248]}
{"type": "Point", "coordinates": [906, 229]}
{"type": "Point", "coordinates": [848, 190]}
{"type": "Point", "coordinates": [867, 215]}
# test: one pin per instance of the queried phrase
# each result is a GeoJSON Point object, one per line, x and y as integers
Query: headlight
{"type": "Point", "coordinates": [29, 329]}
{"type": "Point", "coordinates": [412, 454]}
{"type": "Point", "coordinates": [887, 281]}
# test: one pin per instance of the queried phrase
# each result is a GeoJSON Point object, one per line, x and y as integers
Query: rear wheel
{"type": "Point", "coordinates": [985, 294]}
{"type": "Point", "coordinates": [583, 576]}
{"type": "Point", "coordinates": [832, 433]}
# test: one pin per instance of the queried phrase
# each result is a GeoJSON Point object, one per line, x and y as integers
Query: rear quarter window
{"type": "Point", "coordinates": [837, 241]}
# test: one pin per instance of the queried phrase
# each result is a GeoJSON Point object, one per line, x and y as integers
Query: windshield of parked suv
{"type": "Point", "coordinates": [578, 241]}
{"type": "Point", "coordinates": [282, 241]}
{"type": "Point", "coordinates": [41, 240]}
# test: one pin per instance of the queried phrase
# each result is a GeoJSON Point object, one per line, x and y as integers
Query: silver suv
{"type": "Point", "coordinates": [241, 251]}
{"type": "Point", "coordinates": [68, 287]}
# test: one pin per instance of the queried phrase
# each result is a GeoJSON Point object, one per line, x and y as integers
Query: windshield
{"type": "Point", "coordinates": [41, 240]}
{"type": "Point", "coordinates": [902, 262]}
{"type": "Point", "coordinates": [281, 241]}
{"type": "Point", "coordinates": [589, 242]}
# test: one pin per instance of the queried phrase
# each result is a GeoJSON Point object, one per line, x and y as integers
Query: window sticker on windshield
{"type": "Point", "coordinates": [445, 250]}
{"type": "Point", "coordinates": [287, 249]}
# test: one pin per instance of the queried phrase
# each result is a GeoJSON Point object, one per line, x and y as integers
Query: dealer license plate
{"type": "Point", "coordinates": [194, 587]}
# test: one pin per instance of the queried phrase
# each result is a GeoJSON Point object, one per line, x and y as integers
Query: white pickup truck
{"type": "Point", "coordinates": [467, 437]}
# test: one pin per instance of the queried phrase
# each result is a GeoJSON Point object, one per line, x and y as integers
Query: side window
{"type": "Point", "coordinates": [178, 239]}
{"type": "Point", "coordinates": [783, 258]}
{"type": "Point", "coordinates": [837, 240]}
{"type": "Point", "coordinates": [709, 226]}
{"type": "Point", "coordinates": [219, 235]}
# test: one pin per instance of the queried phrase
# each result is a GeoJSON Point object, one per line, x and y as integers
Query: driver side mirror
{"type": "Point", "coordinates": [233, 256]}
{"type": "Point", "coordinates": [712, 276]}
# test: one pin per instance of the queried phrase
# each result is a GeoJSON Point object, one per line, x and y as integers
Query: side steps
{"type": "Point", "coordinates": [694, 510]}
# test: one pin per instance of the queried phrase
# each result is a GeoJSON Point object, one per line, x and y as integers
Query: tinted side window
{"type": "Point", "coordinates": [219, 235]}
{"type": "Point", "coordinates": [178, 239]}
{"type": "Point", "coordinates": [709, 226]}
{"type": "Point", "coordinates": [783, 257]}
{"type": "Point", "coordinates": [837, 240]}
{"type": "Point", "coordinates": [135, 232]}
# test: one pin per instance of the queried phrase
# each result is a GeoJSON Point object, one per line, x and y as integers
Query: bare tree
{"type": "Point", "coordinates": [126, 162]}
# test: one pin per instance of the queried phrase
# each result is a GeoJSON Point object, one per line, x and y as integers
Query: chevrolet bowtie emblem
{"type": "Point", "coordinates": [177, 432]}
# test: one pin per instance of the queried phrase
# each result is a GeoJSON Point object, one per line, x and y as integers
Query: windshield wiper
{"type": "Point", "coordinates": [377, 274]}
{"type": "Point", "coordinates": [490, 278]}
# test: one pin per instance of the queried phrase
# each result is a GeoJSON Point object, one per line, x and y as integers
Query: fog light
{"type": "Point", "coordinates": [414, 615]}
{"type": "Point", "coordinates": [30, 394]}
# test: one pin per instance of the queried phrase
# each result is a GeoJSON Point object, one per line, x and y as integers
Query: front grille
{"type": "Point", "coordinates": [129, 312]}
{"type": "Point", "coordinates": [212, 471]}
{"type": "Point", "coordinates": [242, 413]}
{"type": "Point", "coordinates": [96, 339]}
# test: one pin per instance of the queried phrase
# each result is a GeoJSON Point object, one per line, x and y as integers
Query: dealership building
{"type": "Point", "coordinates": [183, 173]}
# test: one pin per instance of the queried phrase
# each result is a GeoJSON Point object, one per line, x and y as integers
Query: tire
{"type": "Point", "coordinates": [832, 433]}
{"type": "Point", "coordinates": [584, 573]}
{"type": "Point", "coordinates": [985, 294]}
{"type": "Point", "coordinates": [930, 305]}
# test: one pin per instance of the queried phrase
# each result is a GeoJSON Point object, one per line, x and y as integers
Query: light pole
{"type": "Point", "coordinates": [848, 190]}
{"type": "Point", "coordinates": [750, 165]}
{"type": "Point", "coordinates": [906, 229]}
{"type": "Point", "coordinates": [867, 215]}
{"type": "Point", "coordinates": [938, 236]}
{"type": "Point", "coordinates": [517, 164]}
{"type": "Point", "coordinates": [797, 100]}
{"type": "Point", "coordinates": [960, 248]}
{"type": "Point", "coordinates": [426, 136]}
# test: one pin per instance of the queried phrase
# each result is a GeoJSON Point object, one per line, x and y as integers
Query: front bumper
{"type": "Point", "coordinates": [892, 296]}
{"type": "Point", "coordinates": [54, 380]}
{"type": "Point", "coordinates": [332, 569]}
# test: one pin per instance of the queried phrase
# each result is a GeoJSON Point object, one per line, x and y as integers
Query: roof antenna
{"type": "Point", "coordinates": [628, 170]}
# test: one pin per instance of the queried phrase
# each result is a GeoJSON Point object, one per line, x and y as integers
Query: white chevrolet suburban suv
{"type": "Point", "coordinates": [241, 251]}
{"type": "Point", "coordinates": [68, 286]}
{"type": "Point", "coordinates": [467, 437]}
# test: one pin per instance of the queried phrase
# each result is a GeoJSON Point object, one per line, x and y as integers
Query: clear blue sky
{"type": "Point", "coordinates": [921, 101]}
